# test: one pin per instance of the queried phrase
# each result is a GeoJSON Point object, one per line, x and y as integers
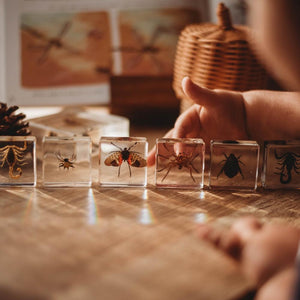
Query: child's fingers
{"type": "Point", "coordinates": [246, 227]}
{"type": "Point", "coordinates": [200, 95]}
{"type": "Point", "coordinates": [187, 122]}
{"type": "Point", "coordinates": [151, 157]}
{"type": "Point", "coordinates": [226, 240]}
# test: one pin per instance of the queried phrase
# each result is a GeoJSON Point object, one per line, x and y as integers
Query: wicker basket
{"type": "Point", "coordinates": [217, 57]}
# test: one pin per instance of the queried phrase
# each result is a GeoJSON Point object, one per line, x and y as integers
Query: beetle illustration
{"type": "Point", "coordinates": [66, 162]}
{"type": "Point", "coordinates": [231, 166]}
{"type": "Point", "coordinates": [133, 159]}
{"type": "Point", "coordinates": [13, 155]}
{"type": "Point", "coordinates": [287, 162]}
{"type": "Point", "coordinates": [180, 160]}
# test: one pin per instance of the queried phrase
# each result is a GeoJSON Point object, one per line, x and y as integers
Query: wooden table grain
{"type": "Point", "coordinates": [125, 243]}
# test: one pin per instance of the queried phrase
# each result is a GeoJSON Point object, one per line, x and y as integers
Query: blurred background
{"type": "Point", "coordinates": [118, 54]}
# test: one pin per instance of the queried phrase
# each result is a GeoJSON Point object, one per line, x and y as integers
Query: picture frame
{"type": "Point", "coordinates": [63, 52]}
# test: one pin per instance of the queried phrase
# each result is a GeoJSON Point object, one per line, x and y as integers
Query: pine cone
{"type": "Point", "coordinates": [11, 124]}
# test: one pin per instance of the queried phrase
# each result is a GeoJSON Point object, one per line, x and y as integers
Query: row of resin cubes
{"type": "Point", "coordinates": [122, 162]}
{"type": "Point", "coordinates": [234, 165]}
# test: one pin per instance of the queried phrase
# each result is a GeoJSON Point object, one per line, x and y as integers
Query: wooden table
{"type": "Point", "coordinates": [124, 243]}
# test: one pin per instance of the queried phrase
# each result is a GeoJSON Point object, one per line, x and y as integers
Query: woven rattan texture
{"type": "Point", "coordinates": [217, 57]}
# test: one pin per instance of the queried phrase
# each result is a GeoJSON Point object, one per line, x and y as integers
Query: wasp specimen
{"type": "Point", "coordinates": [231, 166]}
{"type": "Point", "coordinates": [287, 162]}
{"type": "Point", "coordinates": [13, 155]}
{"type": "Point", "coordinates": [65, 162]}
{"type": "Point", "coordinates": [133, 159]}
{"type": "Point", "coordinates": [50, 43]}
{"type": "Point", "coordinates": [179, 161]}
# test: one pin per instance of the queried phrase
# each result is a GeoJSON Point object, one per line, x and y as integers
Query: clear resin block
{"type": "Point", "coordinates": [67, 161]}
{"type": "Point", "coordinates": [39, 131]}
{"type": "Point", "coordinates": [234, 165]}
{"type": "Point", "coordinates": [123, 161]}
{"type": "Point", "coordinates": [80, 123]}
{"type": "Point", "coordinates": [179, 163]}
{"type": "Point", "coordinates": [281, 165]}
{"type": "Point", "coordinates": [17, 161]}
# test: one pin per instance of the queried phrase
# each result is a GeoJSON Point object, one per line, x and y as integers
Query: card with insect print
{"type": "Point", "coordinates": [281, 169]}
{"type": "Point", "coordinates": [123, 161]}
{"type": "Point", "coordinates": [179, 163]}
{"type": "Point", "coordinates": [67, 161]}
{"type": "Point", "coordinates": [234, 165]}
{"type": "Point", "coordinates": [148, 38]}
{"type": "Point", "coordinates": [17, 161]}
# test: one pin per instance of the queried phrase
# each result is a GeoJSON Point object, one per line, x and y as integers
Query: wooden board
{"type": "Point", "coordinates": [125, 243]}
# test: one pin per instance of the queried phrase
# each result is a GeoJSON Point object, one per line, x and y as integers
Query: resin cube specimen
{"type": "Point", "coordinates": [179, 163]}
{"type": "Point", "coordinates": [234, 165]}
{"type": "Point", "coordinates": [281, 165]}
{"type": "Point", "coordinates": [123, 161]}
{"type": "Point", "coordinates": [67, 161]}
{"type": "Point", "coordinates": [17, 161]}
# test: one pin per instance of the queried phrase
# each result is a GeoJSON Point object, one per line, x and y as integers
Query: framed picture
{"type": "Point", "coordinates": [148, 39]}
{"type": "Point", "coordinates": [64, 52]}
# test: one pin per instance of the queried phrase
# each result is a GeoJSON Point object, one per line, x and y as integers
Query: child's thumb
{"type": "Point", "coordinates": [199, 95]}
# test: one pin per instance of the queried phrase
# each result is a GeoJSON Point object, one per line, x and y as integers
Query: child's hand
{"type": "Point", "coordinates": [216, 114]}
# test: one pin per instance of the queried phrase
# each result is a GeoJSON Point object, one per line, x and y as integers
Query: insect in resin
{"type": "Point", "coordinates": [231, 166]}
{"type": "Point", "coordinates": [66, 162]}
{"type": "Point", "coordinates": [287, 162]}
{"type": "Point", "coordinates": [179, 161]}
{"type": "Point", "coordinates": [133, 159]}
{"type": "Point", "coordinates": [13, 155]}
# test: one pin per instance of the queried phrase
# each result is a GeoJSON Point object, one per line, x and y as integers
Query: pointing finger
{"type": "Point", "coordinates": [200, 95]}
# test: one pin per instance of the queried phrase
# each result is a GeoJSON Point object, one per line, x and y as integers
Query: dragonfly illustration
{"type": "Point", "coordinates": [50, 43]}
{"type": "Point", "coordinates": [144, 49]}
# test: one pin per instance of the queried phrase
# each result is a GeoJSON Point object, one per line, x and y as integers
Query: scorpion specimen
{"type": "Point", "coordinates": [13, 155]}
{"type": "Point", "coordinates": [180, 160]}
{"type": "Point", "coordinates": [287, 162]}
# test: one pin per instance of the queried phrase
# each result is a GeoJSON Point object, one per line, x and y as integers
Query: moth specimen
{"type": "Point", "coordinates": [133, 158]}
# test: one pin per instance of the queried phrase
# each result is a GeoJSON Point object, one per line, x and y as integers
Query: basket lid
{"type": "Point", "coordinates": [223, 31]}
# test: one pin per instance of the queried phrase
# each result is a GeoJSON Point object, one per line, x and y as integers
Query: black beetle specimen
{"type": "Point", "coordinates": [287, 162]}
{"type": "Point", "coordinates": [231, 166]}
